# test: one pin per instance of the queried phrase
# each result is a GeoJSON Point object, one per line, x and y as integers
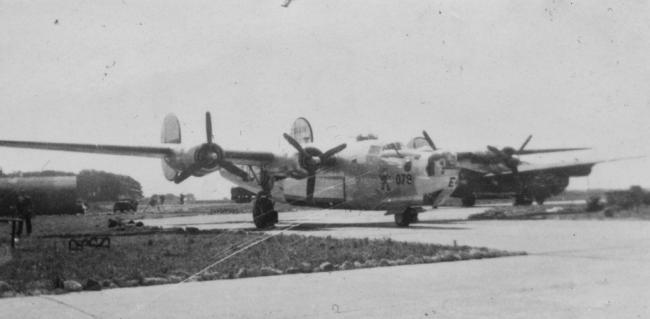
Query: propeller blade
{"type": "Point", "coordinates": [233, 169]}
{"type": "Point", "coordinates": [525, 143]}
{"type": "Point", "coordinates": [208, 127]}
{"type": "Point", "coordinates": [331, 152]}
{"type": "Point", "coordinates": [295, 144]}
{"type": "Point", "coordinates": [496, 151]}
{"type": "Point", "coordinates": [311, 185]}
{"type": "Point", "coordinates": [429, 140]}
{"type": "Point", "coordinates": [186, 173]}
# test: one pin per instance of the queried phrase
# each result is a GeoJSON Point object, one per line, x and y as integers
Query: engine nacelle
{"type": "Point", "coordinates": [197, 161]}
{"type": "Point", "coordinates": [209, 156]}
{"type": "Point", "coordinates": [201, 160]}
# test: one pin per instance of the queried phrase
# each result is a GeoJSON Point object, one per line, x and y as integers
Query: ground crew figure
{"type": "Point", "coordinates": [154, 202]}
{"type": "Point", "coordinates": [383, 176]}
{"type": "Point", "coordinates": [24, 208]}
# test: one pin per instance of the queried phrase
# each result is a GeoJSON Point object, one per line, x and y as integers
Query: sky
{"type": "Point", "coordinates": [472, 73]}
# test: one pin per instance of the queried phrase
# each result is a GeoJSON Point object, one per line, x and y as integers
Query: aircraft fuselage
{"type": "Point", "coordinates": [368, 176]}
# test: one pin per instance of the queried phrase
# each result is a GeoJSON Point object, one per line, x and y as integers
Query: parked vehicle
{"type": "Point", "coordinates": [241, 195]}
{"type": "Point", "coordinates": [125, 205]}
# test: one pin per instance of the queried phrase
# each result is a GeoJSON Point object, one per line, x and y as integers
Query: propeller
{"type": "Point", "coordinates": [311, 160]}
{"type": "Point", "coordinates": [506, 154]}
{"type": "Point", "coordinates": [429, 140]}
{"type": "Point", "coordinates": [209, 155]}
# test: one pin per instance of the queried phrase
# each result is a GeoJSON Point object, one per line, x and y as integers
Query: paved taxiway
{"type": "Point", "coordinates": [575, 269]}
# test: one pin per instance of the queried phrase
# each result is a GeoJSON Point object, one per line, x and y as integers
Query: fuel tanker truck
{"type": "Point", "coordinates": [52, 195]}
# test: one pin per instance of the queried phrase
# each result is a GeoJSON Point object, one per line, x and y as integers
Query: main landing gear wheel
{"type": "Point", "coordinates": [469, 200]}
{"type": "Point", "coordinates": [264, 214]}
{"type": "Point", "coordinates": [406, 218]}
{"type": "Point", "coordinates": [523, 200]}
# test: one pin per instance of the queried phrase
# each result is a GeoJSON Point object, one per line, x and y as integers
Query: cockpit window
{"type": "Point", "coordinates": [393, 146]}
{"type": "Point", "coordinates": [417, 142]}
{"type": "Point", "coordinates": [374, 150]}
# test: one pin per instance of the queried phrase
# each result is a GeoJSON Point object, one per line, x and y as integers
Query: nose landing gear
{"type": "Point", "coordinates": [264, 213]}
{"type": "Point", "coordinates": [405, 218]}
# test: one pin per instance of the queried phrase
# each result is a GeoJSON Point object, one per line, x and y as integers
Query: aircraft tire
{"type": "Point", "coordinates": [469, 201]}
{"type": "Point", "coordinates": [401, 220]}
{"type": "Point", "coordinates": [522, 200]}
{"type": "Point", "coordinates": [406, 218]}
{"type": "Point", "coordinates": [540, 200]}
{"type": "Point", "coordinates": [264, 215]}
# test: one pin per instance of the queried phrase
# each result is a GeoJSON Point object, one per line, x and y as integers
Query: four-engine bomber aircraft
{"type": "Point", "coordinates": [364, 174]}
{"type": "Point", "coordinates": [497, 173]}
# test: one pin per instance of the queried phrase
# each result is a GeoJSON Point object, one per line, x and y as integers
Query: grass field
{"type": "Point", "coordinates": [142, 256]}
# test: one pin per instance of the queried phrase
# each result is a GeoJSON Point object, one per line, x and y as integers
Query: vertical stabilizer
{"type": "Point", "coordinates": [171, 130]}
{"type": "Point", "coordinates": [170, 134]}
{"type": "Point", "coordinates": [301, 131]}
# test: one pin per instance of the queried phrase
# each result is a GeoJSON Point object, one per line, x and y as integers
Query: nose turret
{"type": "Point", "coordinates": [441, 161]}
{"type": "Point", "coordinates": [443, 170]}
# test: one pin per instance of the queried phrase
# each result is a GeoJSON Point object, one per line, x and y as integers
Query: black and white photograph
{"type": "Point", "coordinates": [324, 159]}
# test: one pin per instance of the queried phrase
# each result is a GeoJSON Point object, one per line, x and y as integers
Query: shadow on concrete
{"type": "Point", "coordinates": [419, 225]}
{"type": "Point", "coordinates": [447, 224]}
{"type": "Point", "coordinates": [209, 223]}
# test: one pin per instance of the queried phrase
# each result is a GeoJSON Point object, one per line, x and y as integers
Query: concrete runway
{"type": "Point", "coordinates": [575, 269]}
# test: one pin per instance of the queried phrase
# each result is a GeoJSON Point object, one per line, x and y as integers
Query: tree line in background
{"type": "Point", "coordinates": [616, 200]}
{"type": "Point", "coordinates": [631, 198]}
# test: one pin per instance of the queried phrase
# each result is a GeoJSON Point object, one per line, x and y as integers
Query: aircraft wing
{"type": "Point", "coordinates": [236, 157]}
{"type": "Point", "coordinates": [571, 168]}
{"type": "Point", "coordinates": [179, 163]}
{"type": "Point", "coordinates": [483, 156]}
{"type": "Point", "coordinates": [143, 151]}
{"type": "Point", "coordinates": [551, 150]}
{"type": "Point", "coordinates": [249, 157]}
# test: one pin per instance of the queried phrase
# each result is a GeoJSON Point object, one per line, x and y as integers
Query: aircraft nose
{"type": "Point", "coordinates": [438, 163]}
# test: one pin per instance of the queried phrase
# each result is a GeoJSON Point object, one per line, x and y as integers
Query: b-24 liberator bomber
{"type": "Point", "coordinates": [367, 174]}
{"type": "Point", "coordinates": [356, 175]}
{"type": "Point", "coordinates": [500, 173]}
